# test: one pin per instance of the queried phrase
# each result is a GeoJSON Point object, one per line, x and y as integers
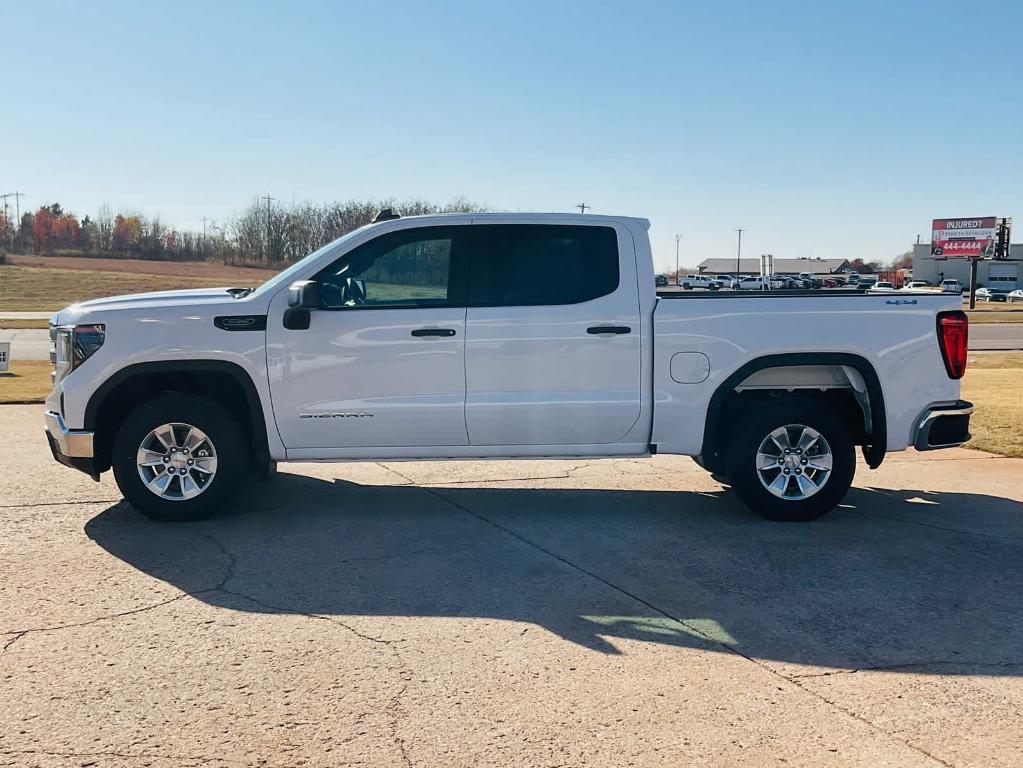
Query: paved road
{"type": "Point", "coordinates": [28, 344]}
{"type": "Point", "coordinates": [992, 336]}
{"type": "Point", "coordinates": [34, 344]}
{"type": "Point", "coordinates": [601, 613]}
{"type": "Point", "coordinates": [7, 315]}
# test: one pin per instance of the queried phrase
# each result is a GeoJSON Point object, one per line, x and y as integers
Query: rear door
{"type": "Point", "coordinates": [552, 335]}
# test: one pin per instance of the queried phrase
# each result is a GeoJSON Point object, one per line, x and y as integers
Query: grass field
{"type": "Point", "coordinates": [993, 382]}
{"type": "Point", "coordinates": [32, 288]}
{"type": "Point", "coordinates": [235, 276]}
{"type": "Point", "coordinates": [20, 325]}
{"type": "Point", "coordinates": [48, 283]}
{"type": "Point", "coordinates": [26, 382]}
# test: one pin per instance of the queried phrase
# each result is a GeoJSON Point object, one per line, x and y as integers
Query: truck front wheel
{"type": "Point", "coordinates": [791, 462]}
{"type": "Point", "coordinates": [178, 457]}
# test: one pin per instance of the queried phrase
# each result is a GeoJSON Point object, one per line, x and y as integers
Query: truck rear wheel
{"type": "Point", "coordinates": [792, 462]}
{"type": "Point", "coordinates": [178, 457]}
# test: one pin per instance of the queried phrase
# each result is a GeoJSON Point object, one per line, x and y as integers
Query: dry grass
{"type": "Point", "coordinates": [31, 288]}
{"type": "Point", "coordinates": [994, 384]}
{"type": "Point", "coordinates": [242, 277]}
{"type": "Point", "coordinates": [21, 325]}
{"type": "Point", "coordinates": [990, 315]}
{"type": "Point", "coordinates": [26, 382]}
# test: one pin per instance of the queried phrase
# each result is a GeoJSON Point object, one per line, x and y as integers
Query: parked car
{"type": "Point", "coordinates": [1016, 295]}
{"type": "Point", "coordinates": [865, 283]}
{"type": "Point", "coordinates": [991, 294]}
{"type": "Point", "coordinates": [727, 281]}
{"type": "Point", "coordinates": [187, 394]}
{"type": "Point", "coordinates": [757, 283]}
{"type": "Point", "coordinates": [661, 281]}
{"type": "Point", "coordinates": [882, 286]}
{"type": "Point", "coordinates": [854, 277]}
{"type": "Point", "coordinates": [834, 282]}
{"type": "Point", "coordinates": [914, 285]}
{"type": "Point", "coordinates": [787, 282]}
{"type": "Point", "coordinates": [951, 286]}
{"type": "Point", "coordinates": [810, 280]}
{"type": "Point", "coordinates": [689, 282]}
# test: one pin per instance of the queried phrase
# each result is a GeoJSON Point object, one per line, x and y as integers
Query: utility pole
{"type": "Point", "coordinates": [677, 238]}
{"type": "Point", "coordinates": [583, 206]}
{"type": "Point", "coordinates": [268, 199]}
{"type": "Point", "coordinates": [17, 207]}
{"type": "Point", "coordinates": [204, 236]}
{"type": "Point", "coordinates": [738, 252]}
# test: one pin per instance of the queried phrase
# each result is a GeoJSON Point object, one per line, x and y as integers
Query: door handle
{"type": "Point", "coordinates": [616, 329]}
{"type": "Point", "coordinates": [445, 332]}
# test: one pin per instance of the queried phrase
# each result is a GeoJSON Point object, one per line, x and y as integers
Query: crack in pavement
{"type": "Point", "coordinates": [692, 628]}
{"type": "Point", "coordinates": [394, 707]}
{"type": "Point", "coordinates": [566, 475]}
{"type": "Point", "coordinates": [59, 503]}
{"type": "Point", "coordinates": [129, 756]}
{"type": "Point", "coordinates": [229, 573]}
{"type": "Point", "coordinates": [916, 665]}
{"type": "Point", "coordinates": [964, 532]}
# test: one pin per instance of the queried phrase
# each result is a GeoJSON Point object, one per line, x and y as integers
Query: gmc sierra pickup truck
{"type": "Point", "coordinates": [476, 336]}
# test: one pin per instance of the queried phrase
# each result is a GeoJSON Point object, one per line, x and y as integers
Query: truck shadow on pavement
{"type": "Point", "coordinates": [901, 580]}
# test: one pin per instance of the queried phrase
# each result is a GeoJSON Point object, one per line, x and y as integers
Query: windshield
{"type": "Point", "coordinates": [285, 277]}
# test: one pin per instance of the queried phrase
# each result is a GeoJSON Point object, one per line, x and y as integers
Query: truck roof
{"type": "Point", "coordinates": [523, 217]}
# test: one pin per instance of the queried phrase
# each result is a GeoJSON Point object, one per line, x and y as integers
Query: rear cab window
{"type": "Point", "coordinates": [541, 264]}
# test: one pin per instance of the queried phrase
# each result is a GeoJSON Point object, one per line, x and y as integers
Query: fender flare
{"type": "Point", "coordinates": [235, 371]}
{"type": "Point", "coordinates": [873, 451]}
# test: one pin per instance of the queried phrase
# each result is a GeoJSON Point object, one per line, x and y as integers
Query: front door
{"type": "Point", "coordinates": [383, 361]}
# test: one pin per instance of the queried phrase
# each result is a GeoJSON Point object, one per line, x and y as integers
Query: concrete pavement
{"type": "Point", "coordinates": [575, 613]}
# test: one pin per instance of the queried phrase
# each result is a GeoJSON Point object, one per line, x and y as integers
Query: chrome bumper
{"type": "Point", "coordinates": [943, 426]}
{"type": "Point", "coordinates": [73, 443]}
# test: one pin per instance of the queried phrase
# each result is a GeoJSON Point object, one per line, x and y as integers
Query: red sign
{"type": "Point", "coordinates": [964, 238]}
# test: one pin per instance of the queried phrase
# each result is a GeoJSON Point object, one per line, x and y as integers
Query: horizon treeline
{"type": "Point", "coordinates": [260, 235]}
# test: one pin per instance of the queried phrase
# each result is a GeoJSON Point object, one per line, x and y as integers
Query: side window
{"type": "Point", "coordinates": [407, 268]}
{"type": "Point", "coordinates": [530, 265]}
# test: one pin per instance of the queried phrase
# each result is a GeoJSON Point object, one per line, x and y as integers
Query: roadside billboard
{"type": "Point", "coordinates": [964, 238]}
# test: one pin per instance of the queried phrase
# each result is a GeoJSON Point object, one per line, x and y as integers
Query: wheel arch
{"type": "Point", "coordinates": [871, 404]}
{"type": "Point", "coordinates": [225, 382]}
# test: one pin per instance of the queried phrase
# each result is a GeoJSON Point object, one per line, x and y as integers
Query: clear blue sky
{"type": "Point", "coordinates": [831, 129]}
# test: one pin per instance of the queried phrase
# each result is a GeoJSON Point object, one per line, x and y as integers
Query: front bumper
{"type": "Point", "coordinates": [943, 426]}
{"type": "Point", "coordinates": [71, 447]}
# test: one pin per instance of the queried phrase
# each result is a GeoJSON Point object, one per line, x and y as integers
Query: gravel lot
{"type": "Point", "coordinates": [603, 613]}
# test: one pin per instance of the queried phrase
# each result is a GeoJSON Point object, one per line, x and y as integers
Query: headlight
{"type": "Point", "coordinates": [73, 345]}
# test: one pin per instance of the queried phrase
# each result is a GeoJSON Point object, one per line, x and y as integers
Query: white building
{"type": "Point", "coordinates": [1006, 274]}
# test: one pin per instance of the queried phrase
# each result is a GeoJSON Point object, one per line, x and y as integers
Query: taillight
{"type": "Point", "coordinates": [953, 332]}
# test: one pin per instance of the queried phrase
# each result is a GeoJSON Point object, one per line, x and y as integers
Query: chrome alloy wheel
{"type": "Point", "coordinates": [794, 462]}
{"type": "Point", "coordinates": [177, 461]}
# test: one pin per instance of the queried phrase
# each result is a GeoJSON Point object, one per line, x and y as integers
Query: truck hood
{"type": "Point", "coordinates": [143, 301]}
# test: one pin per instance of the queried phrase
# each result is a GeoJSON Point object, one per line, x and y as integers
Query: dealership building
{"type": "Point", "coordinates": [781, 266]}
{"type": "Point", "coordinates": [1005, 274]}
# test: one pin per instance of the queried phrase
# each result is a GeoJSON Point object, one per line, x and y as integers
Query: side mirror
{"type": "Point", "coordinates": [304, 294]}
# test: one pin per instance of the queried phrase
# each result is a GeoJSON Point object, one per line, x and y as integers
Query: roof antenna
{"type": "Point", "coordinates": [387, 214]}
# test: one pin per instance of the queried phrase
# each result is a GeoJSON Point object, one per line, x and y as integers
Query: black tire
{"type": "Point", "coordinates": [232, 458]}
{"type": "Point", "coordinates": [750, 431]}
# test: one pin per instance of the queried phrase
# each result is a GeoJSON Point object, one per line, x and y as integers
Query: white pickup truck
{"type": "Point", "coordinates": [478, 336]}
